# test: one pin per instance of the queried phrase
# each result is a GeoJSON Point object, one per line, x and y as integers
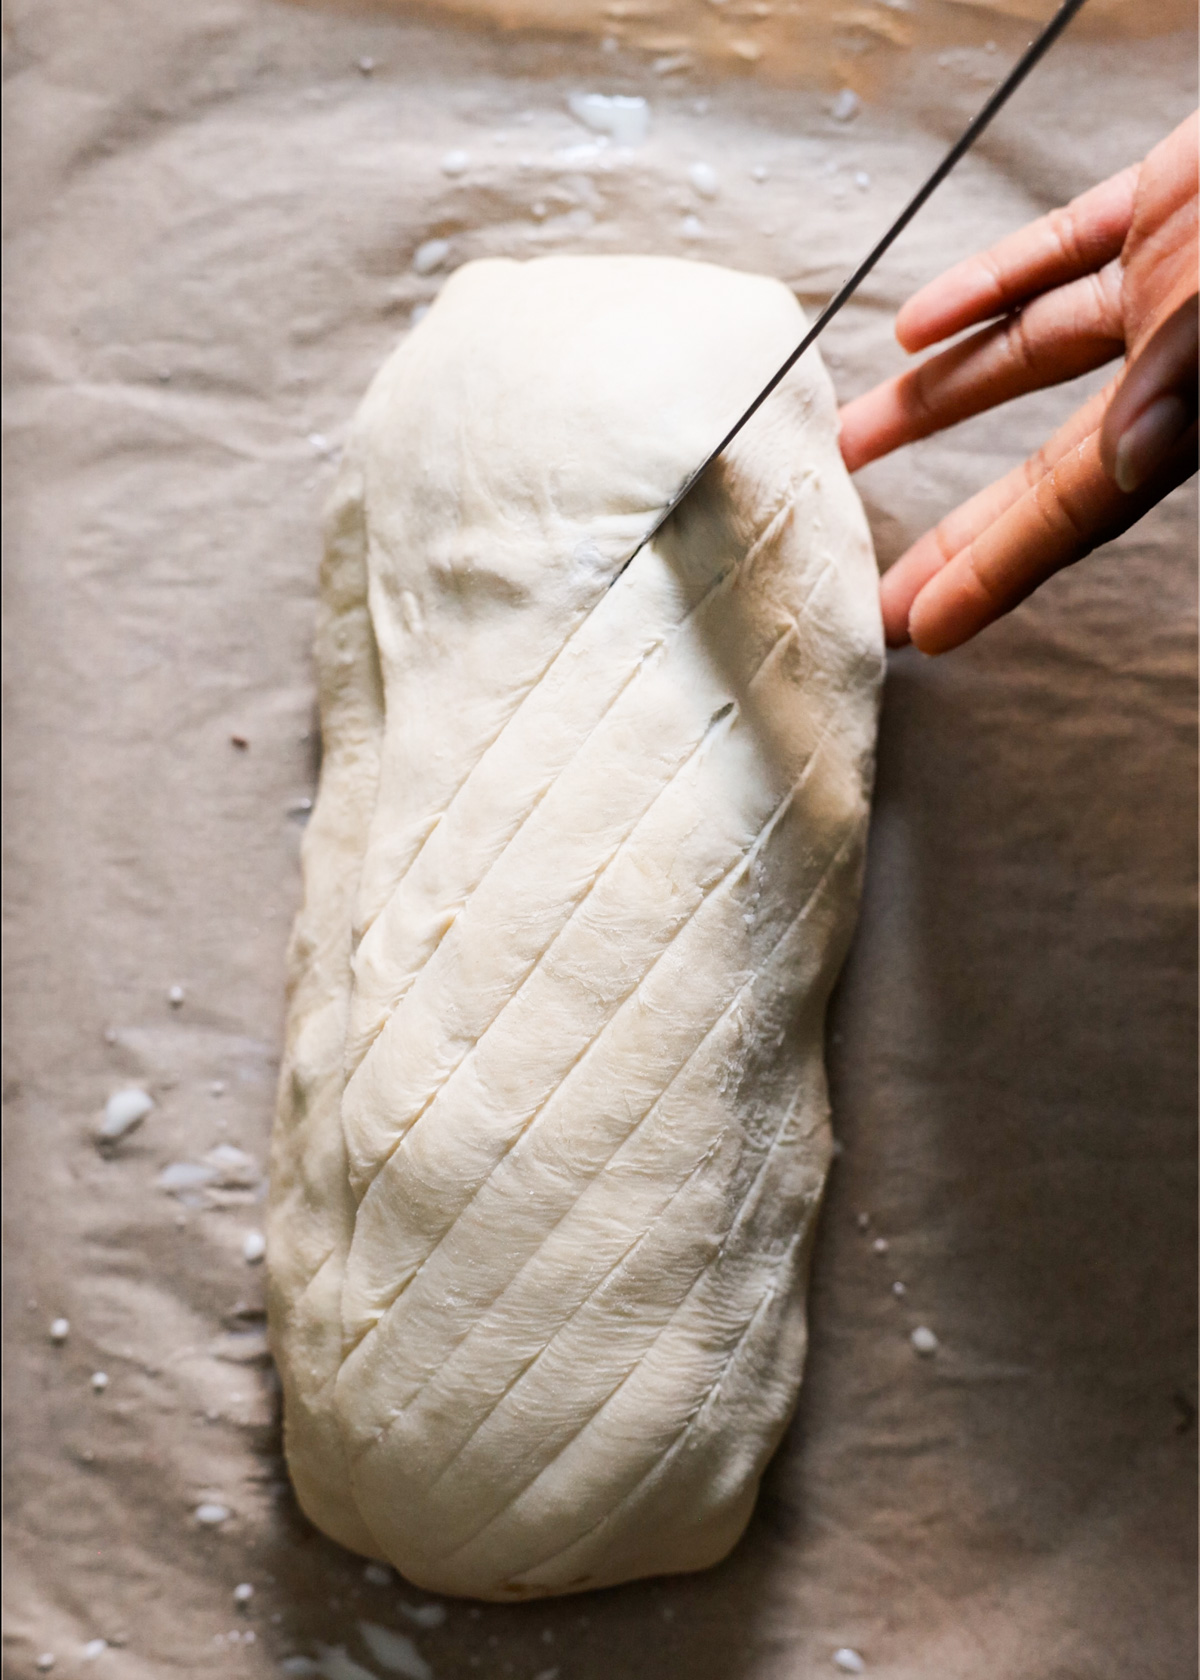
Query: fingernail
{"type": "Point", "coordinates": [1145, 443]}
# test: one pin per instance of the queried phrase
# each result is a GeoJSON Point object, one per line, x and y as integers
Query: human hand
{"type": "Point", "coordinates": [1116, 270]}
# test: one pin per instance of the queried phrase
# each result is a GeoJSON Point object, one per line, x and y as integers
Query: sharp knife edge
{"type": "Point", "coordinates": [1036, 49]}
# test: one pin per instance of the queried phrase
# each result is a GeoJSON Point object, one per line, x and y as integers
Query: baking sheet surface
{"type": "Point", "coordinates": [213, 211]}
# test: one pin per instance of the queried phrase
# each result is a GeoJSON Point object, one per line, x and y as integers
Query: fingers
{"type": "Point", "coordinates": [904, 581]}
{"type": "Point", "coordinates": [1155, 402]}
{"type": "Point", "coordinates": [1067, 332]}
{"type": "Point", "coordinates": [1052, 251]}
{"type": "Point", "coordinates": [997, 549]}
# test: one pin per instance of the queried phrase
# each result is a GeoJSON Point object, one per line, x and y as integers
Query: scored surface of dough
{"type": "Point", "coordinates": [553, 1126]}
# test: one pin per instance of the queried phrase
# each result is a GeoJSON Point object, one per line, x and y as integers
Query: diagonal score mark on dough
{"type": "Point", "coordinates": [710, 1394]}
{"type": "Point", "coordinates": [733, 1004]}
{"type": "Point", "coordinates": [297, 1305]}
{"type": "Point", "coordinates": [738, 865]}
{"type": "Point", "coordinates": [591, 1418]}
{"type": "Point", "coordinates": [741, 860]}
{"type": "Point", "coordinates": [784, 507]}
{"type": "Point", "coordinates": [702, 743]}
{"type": "Point", "coordinates": [766, 534]}
{"type": "Point", "coordinates": [527, 1365]}
{"type": "Point", "coordinates": [748, 1202]}
{"type": "Point", "coordinates": [620, 1262]}
{"type": "Point", "coordinates": [368, 1038]}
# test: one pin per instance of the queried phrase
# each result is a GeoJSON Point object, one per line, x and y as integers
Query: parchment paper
{"type": "Point", "coordinates": [213, 210]}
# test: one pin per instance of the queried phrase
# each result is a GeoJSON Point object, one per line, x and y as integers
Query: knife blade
{"type": "Point", "coordinates": [1035, 51]}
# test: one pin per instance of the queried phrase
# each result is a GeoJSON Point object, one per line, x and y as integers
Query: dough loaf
{"type": "Point", "coordinates": [553, 1126]}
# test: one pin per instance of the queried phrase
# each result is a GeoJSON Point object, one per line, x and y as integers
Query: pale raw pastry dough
{"type": "Point", "coordinates": [553, 1124]}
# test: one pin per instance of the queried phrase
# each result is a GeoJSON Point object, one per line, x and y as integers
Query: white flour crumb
{"type": "Point", "coordinates": [185, 1175]}
{"type": "Point", "coordinates": [99, 1382]}
{"type": "Point", "coordinates": [456, 163]}
{"type": "Point", "coordinates": [429, 256]}
{"type": "Point", "coordinates": [60, 1329]}
{"type": "Point", "coordinates": [395, 1651]}
{"type": "Point", "coordinates": [899, 1288]}
{"type": "Point", "coordinates": [425, 1615]}
{"type": "Point", "coordinates": [704, 180]}
{"type": "Point", "coordinates": [243, 1593]}
{"type": "Point", "coordinates": [124, 1112]}
{"type": "Point", "coordinates": [210, 1514]}
{"type": "Point", "coordinates": [254, 1246]}
{"type": "Point", "coordinates": [846, 106]}
{"type": "Point", "coordinates": [924, 1341]}
{"type": "Point", "coordinates": [624, 118]}
{"type": "Point", "coordinates": [94, 1648]}
{"type": "Point", "coordinates": [45, 1662]}
{"type": "Point", "coordinates": [847, 1661]}
{"type": "Point", "coordinates": [175, 996]}
{"type": "Point", "coordinates": [880, 1245]}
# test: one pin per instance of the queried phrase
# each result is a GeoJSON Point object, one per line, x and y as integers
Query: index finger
{"type": "Point", "coordinates": [1068, 243]}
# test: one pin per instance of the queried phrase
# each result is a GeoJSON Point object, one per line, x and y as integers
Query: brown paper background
{"type": "Point", "coordinates": [212, 210]}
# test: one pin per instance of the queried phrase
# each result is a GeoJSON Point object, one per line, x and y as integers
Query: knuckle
{"type": "Point", "coordinates": [1020, 342]}
{"type": "Point", "coordinates": [994, 273]}
{"type": "Point", "coordinates": [921, 391]}
{"type": "Point", "coordinates": [987, 584]}
{"type": "Point", "coordinates": [1064, 226]}
{"type": "Point", "coordinates": [1037, 467]}
{"type": "Point", "coordinates": [1059, 510]}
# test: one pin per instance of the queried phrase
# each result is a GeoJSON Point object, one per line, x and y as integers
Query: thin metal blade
{"type": "Point", "coordinates": [965, 141]}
